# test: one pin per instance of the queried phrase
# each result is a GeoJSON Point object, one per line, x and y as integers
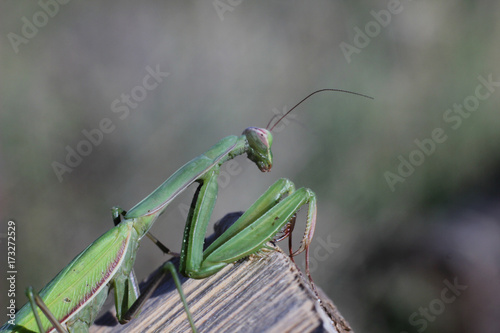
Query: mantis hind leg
{"type": "Point", "coordinates": [168, 267]}
{"type": "Point", "coordinates": [37, 302]}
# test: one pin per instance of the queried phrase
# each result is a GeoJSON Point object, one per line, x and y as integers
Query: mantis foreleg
{"type": "Point", "coordinates": [261, 222]}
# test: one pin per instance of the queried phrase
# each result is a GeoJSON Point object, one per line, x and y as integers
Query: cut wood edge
{"type": "Point", "coordinates": [263, 293]}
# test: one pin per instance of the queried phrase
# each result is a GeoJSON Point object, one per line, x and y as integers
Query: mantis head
{"type": "Point", "coordinates": [259, 151]}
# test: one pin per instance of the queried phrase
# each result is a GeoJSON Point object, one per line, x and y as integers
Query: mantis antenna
{"type": "Point", "coordinates": [313, 93]}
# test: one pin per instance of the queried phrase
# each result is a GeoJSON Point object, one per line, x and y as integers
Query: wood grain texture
{"type": "Point", "coordinates": [263, 293]}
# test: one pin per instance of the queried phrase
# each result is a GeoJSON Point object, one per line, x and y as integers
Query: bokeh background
{"type": "Point", "coordinates": [422, 254]}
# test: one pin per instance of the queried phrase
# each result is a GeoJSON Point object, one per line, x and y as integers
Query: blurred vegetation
{"type": "Point", "coordinates": [393, 249]}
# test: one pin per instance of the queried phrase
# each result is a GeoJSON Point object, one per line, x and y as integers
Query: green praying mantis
{"type": "Point", "coordinates": [72, 300]}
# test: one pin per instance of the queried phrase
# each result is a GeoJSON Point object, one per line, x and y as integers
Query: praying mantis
{"type": "Point", "coordinates": [72, 300]}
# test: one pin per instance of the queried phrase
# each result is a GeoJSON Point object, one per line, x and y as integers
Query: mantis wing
{"type": "Point", "coordinates": [82, 280]}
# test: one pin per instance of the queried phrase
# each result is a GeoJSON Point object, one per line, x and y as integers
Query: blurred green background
{"type": "Point", "coordinates": [386, 254]}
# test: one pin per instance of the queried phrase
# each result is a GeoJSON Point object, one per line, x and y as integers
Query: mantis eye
{"type": "Point", "coordinates": [259, 138]}
{"type": "Point", "coordinates": [259, 151]}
